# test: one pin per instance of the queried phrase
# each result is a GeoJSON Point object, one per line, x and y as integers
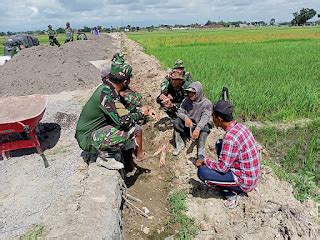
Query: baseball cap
{"type": "Point", "coordinates": [223, 107]}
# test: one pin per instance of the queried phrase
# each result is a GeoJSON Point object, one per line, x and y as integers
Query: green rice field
{"type": "Point", "coordinates": [272, 73]}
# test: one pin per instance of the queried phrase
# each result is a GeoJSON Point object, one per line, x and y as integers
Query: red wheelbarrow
{"type": "Point", "coordinates": [21, 115]}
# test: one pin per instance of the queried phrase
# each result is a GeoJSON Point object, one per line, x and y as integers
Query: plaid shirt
{"type": "Point", "coordinates": [239, 154]}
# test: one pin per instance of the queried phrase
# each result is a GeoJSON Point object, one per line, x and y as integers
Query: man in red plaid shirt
{"type": "Point", "coordinates": [238, 166]}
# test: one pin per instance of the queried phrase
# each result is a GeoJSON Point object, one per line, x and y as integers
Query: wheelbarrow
{"type": "Point", "coordinates": [21, 115]}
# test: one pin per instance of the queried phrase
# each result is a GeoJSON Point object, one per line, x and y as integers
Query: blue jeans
{"type": "Point", "coordinates": [224, 181]}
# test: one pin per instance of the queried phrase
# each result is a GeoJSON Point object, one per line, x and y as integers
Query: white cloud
{"type": "Point", "coordinates": [34, 11]}
{"type": "Point", "coordinates": [17, 15]}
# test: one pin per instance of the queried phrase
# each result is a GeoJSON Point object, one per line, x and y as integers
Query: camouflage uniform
{"type": "Point", "coordinates": [69, 34]}
{"type": "Point", "coordinates": [107, 122]}
{"type": "Point", "coordinates": [52, 37]}
{"type": "Point", "coordinates": [177, 94]}
{"type": "Point", "coordinates": [81, 36]}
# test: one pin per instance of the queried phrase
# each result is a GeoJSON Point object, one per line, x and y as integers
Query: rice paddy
{"type": "Point", "coordinates": [272, 73]}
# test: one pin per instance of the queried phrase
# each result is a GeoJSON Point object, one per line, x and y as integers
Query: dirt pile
{"type": "Point", "coordinates": [46, 70]}
{"type": "Point", "coordinates": [67, 195]}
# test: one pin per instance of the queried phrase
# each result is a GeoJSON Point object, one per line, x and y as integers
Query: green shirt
{"type": "Point", "coordinates": [105, 107]}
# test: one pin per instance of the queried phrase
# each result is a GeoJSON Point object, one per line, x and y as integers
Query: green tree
{"type": "Point", "coordinates": [60, 30]}
{"type": "Point", "coordinates": [86, 29]}
{"type": "Point", "coordinates": [303, 16]}
{"type": "Point", "coordinates": [272, 21]}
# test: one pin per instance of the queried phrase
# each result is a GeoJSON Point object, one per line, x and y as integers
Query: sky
{"type": "Point", "coordinates": [23, 15]}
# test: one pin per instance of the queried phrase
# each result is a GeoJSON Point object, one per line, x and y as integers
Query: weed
{"type": "Point", "coordinates": [296, 158]}
{"type": "Point", "coordinates": [178, 207]}
{"type": "Point", "coordinates": [34, 233]}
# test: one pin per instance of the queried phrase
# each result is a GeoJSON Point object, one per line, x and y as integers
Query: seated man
{"type": "Point", "coordinates": [237, 168]}
{"type": "Point", "coordinates": [173, 89]}
{"type": "Point", "coordinates": [193, 120]}
{"type": "Point", "coordinates": [186, 75]}
{"type": "Point", "coordinates": [105, 125]}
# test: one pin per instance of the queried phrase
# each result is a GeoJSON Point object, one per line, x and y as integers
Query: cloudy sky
{"type": "Point", "coordinates": [22, 15]}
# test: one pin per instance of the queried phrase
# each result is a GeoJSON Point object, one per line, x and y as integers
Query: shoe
{"type": "Point", "coordinates": [132, 173]}
{"type": "Point", "coordinates": [179, 144]}
{"type": "Point", "coordinates": [177, 150]}
{"type": "Point", "coordinates": [232, 202]}
{"type": "Point", "coordinates": [110, 163]}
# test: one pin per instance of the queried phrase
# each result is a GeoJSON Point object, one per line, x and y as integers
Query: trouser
{"type": "Point", "coordinates": [110, 138]}
{"type": "Point", "coordinates": [68, 40]}
{"type": "Point", "coordinates": [53, 41]}
{"type": "Point", "coordinates": [185, 132]}
{"type": "Point", "coordinates": [224, 181]}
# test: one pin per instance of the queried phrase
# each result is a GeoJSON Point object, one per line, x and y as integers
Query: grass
{"type": "Point", "coordinates": [272, 73]}
{"type": "Point", "coordinates": [178, 207]}
{"type": "Point", "coordinates": [34, 233]}
{"type": "Point", "coordinates": [295, 157]}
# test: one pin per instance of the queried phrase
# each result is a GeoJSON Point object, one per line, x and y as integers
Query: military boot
{"type": "Point", "coordinates": [110, 161]}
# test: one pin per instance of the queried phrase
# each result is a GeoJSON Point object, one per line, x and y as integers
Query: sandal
{"type": "Point", "coordinates": [231, 202]}
{"type": "Point", "coordinates": [132, 173]}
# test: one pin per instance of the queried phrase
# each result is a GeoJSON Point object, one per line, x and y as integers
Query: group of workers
{"type": "Point", "coordinates": [110, 123]}
{"type": "Point", "coordinates": [52, 34]}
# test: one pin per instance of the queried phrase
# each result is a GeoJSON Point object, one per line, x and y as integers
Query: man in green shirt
{"type": "Point", "coordinates": [69, 33]}
{"type": "Point", "coordinates": [173, 89]}
{"type": "Point", "coordinates": [106, 124]}
{"type": "Point", "coordinates": [52, 36]}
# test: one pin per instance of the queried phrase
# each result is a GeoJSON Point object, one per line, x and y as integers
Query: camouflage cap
{"type": "Point", "coordinates": [120, 72]}
{"type": "Point", "coordinates": [118, 58]}
{"type": "Point", "coordinates": [176, 74]}
{"type": "Point", "coordinates": [49, 26]}
{"type": "Point", "coordinates": [178, 64]}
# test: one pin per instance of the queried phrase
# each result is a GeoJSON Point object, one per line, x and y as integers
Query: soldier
{"type": "Point", "coordinates": [52, 36]}
{"type": "Point", "coordinates": [133, 100]}
{"type": "Point", "coordinates": [69, 33]}
{"type": "Point", "coordinates": [180, 65]}
{"type": "Point", "coordinates": [81, 35]}
{"type": "Point", "coordinates": [173, 89]}
{"type": "Point", "coordinates": [173, 92]}
{"type": "Point", "coordinates": [106, 125]}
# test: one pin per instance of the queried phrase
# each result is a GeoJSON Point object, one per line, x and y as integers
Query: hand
{"type": "Point", "coordinates": [188, 122]}
{"type": "Point", "coordinates": [162, 97]}
{"type": "Point", "coordinates": [170, 97]}
{"type": "Point", "coordinates": [168, 103]}
{"type": "Point", "coordinates": [195, 134]}
{"type": "Point", "coordinates": [145, 110]}
{"type": "Point", "coordinates": [153, 114]}
{"type": "Point", "coordinates": [199, 163]}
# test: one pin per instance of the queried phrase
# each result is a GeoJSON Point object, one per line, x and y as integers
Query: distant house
{"type": "Point", "coordinates": [243, 25]}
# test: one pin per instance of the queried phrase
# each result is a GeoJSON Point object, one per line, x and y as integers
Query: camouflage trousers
{"type": "Point", "coordinates": [110, 138]}
{"type": "Point", "coordinates": [53, 41]}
